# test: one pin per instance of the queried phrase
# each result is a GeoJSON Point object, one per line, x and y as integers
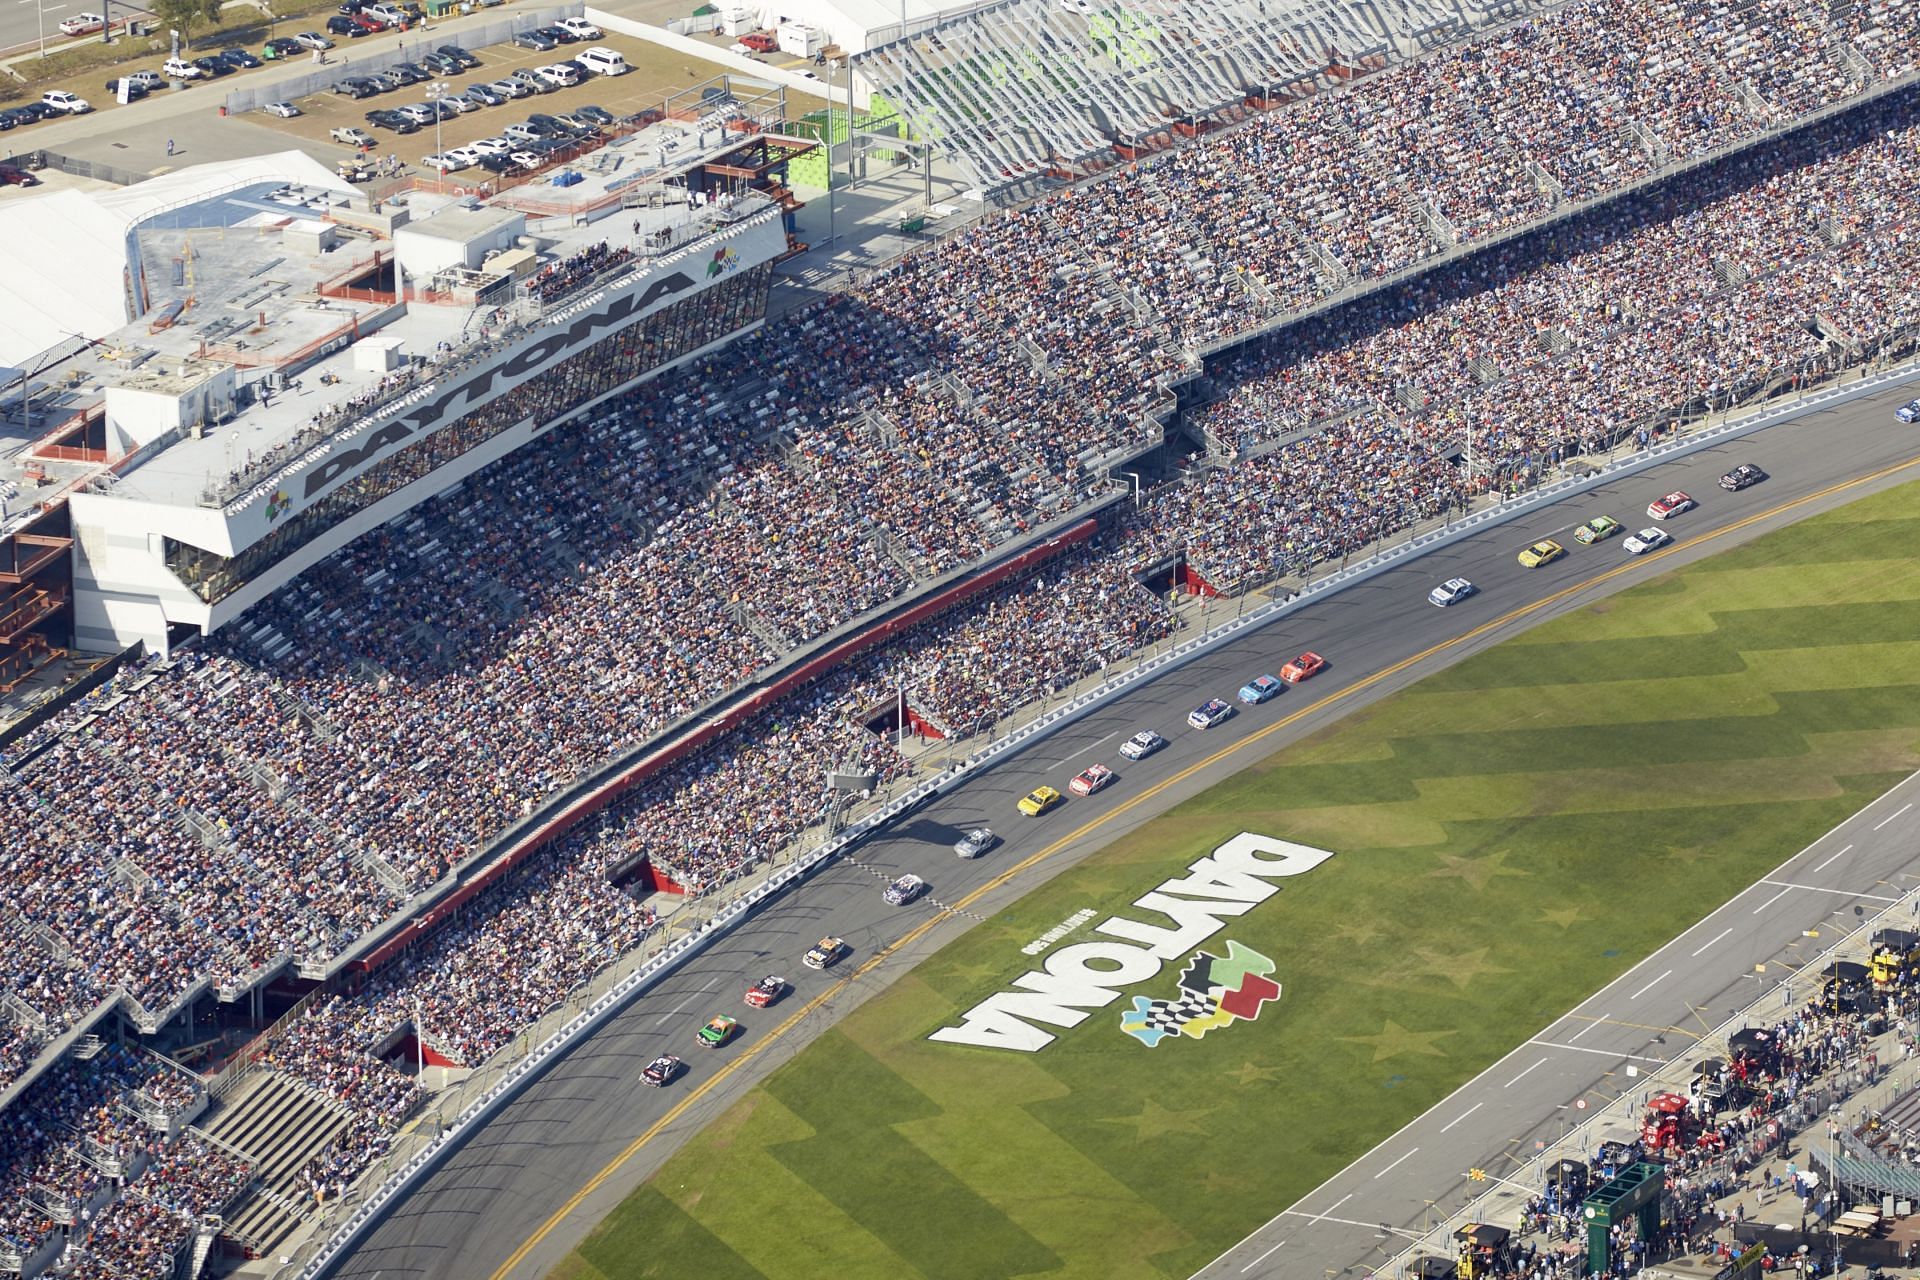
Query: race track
{"type": "Point", "coordinates": [511, 1202]}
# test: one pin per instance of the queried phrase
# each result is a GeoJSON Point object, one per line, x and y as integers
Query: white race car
{"type": "Point", "coordinates": [1142, 744]}
{"type": "Point", "coordinates": [1452, 591]}
{"type": "Point", "coordinates": [1091, 779]}
{"type": "Point", "coordinates": [1908, 412]}
{"type": "Point", "coordinates": [1647, 540]}
{"type": "Point", "coordinates": [904, 890]}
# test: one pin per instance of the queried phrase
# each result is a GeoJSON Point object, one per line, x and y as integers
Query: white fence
{"type": "Point", "coordinates": [407, 1174]}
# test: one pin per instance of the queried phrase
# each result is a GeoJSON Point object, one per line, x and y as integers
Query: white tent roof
{"type": "Point", "coordinates": [856, 25]}
{"type": "Point", "coordinates": [75, 281]}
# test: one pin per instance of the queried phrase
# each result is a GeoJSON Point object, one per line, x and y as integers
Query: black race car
{"type": "Point", "coordinates": [1742, 476]}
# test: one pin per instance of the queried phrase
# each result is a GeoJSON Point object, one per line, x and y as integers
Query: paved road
{"type": "Point", "coordinates": [484, 1206]}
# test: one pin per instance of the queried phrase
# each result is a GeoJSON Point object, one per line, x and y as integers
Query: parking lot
{"type": "Point", "coordinates": [657, 73]}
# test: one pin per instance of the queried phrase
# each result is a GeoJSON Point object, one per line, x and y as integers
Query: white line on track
{"type": "Point", "coordinates": [1082, 751]}
{"type": "Point", "coordinates": [1890, 817]}
{"type": "Point", "coordinates": [1598, 1019]}
{"type": "Point", "coordinates": [1835, 858]}
{"type": "Point", "coordinates": [1462, 1116]}
{"type": "Point", "coordinates": [1323, 1216]}
{"type": "Point", "coordinates": [1581, 1048]}
{"type": "Point", "coordinates": [1775, 898]}
{"type": "Point", "coordinates": [1402, 1232]}
{"type": "Point", "coordinates": [1262, 1258]}
{"type": "Point", "coordinates": [1651, 985]}
{"type": "Point", "coordinates": [1710, 941]}
{"type": "Point", "coordinates": [1516, 1080]}
{"type": "Point", "coordinates": [684, 1003]}
{"type": "Point", "coordinates": [1821, 888]}
{"type": "Point", "coordinates": [1390, 1168]}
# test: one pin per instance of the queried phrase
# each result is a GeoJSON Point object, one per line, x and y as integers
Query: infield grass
{"type": "Point", "coordinates": [1510, 834]}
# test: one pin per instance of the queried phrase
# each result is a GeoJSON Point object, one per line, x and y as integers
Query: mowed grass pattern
{"type": "Point", "coordinates": [1511, 833]}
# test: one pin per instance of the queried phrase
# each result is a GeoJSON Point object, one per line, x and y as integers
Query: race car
{"type": "Point", "coordinates": [718, 1031]}
{"type": "Point", "coordinates": [662, 1070]}
{"type": "Point", "coordinates": [1647, 540]}
{"type": "Point", "coordinates": [1142, 744]}
{"type": "Point", "coordinates": [1452, 591]}
{"type": "Point", "coordinates": [1039, 800]}
{"type": "Point", "coordinates": [1671, 505]}
{"type": "Point", "coordinates": [904, 890]}
{"type": "Point", "coordinates": [1304, 667]}
{"type": "Point", "coordinates": [767, 991]}
{"type": "Point", "coordinates": [1209, 714]}
{"type": "Point", "coordinates": [975, 842]}
{"type": "Point", "coordinates": [1598, 529]}
{"type": "Point", "coordinates": [1091, 779]}
{"type": "Point", "coordinates": [1908, 412]}
{"type": "Point", "coordinates": [1259, 689]}
{"type": "Point", "coordinates": [824, 953]}
{"type": "Point", "coordinates": [1545, 551]}
{"type": "Point", "coordinates": [1741, 477]}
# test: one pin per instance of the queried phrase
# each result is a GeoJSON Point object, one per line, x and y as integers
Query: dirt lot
{"type": "Point", "coordinates": [657, 72]}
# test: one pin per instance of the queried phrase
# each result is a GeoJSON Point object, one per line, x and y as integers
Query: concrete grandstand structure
{"type": "Point", "coordinates": [424, 665]}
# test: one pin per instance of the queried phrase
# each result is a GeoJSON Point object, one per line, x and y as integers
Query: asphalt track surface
{"type": "Point", "coordinates": [528, 1187]}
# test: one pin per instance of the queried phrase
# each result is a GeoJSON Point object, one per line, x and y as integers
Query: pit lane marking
{"type": "Point", "coordinates": [1331, 697]}
{"type": "Point", "coordinates": [1462, 1116]}
{"type": "Point", "coordinates": [1651, 985]}
{"type": "Point", "coordinates": [1835, 858]}
{"type": "Point", "coordinates": [1821, 888]}
{"type": "Point", "coordinates": [1890, 817]}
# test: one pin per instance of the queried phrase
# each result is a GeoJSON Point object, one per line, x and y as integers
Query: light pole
{"type": "Point", "coordinates": [41, 10]}
{"type": "Point", "coordinates": [434, 91]}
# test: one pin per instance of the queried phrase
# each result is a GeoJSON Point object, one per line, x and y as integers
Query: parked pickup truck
{"type": "Point", "coordinates": [352, 136]}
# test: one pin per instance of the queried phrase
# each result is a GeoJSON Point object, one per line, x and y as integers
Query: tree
{"type": "Point", "coordinates": [184, 15]}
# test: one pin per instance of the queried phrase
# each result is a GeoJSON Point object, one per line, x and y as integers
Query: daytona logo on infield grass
{"type": "Point", "coordinates": [1227, 882]}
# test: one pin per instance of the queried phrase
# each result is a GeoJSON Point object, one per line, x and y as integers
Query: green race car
{"type": "Point", "coordinates": [718, 1031]}
{"type": "Point", "coordinates": [1598, 529]}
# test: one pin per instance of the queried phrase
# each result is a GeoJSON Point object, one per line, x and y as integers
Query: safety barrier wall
{"type": "Point", "coordinates": [342, 1239]}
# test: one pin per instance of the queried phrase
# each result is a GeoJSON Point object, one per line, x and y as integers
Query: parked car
{"type": "Point", "coordinates": [444, 162]}
{"type": "Point", "coordinates": [14, 176]}
{"type": "Point", "coordinates": [491, 146]}
{"type": "Point", "coordinates": [559, 35]}
{"type": "Point", "coordinates": [281, 47]}
{"type": "Point", "coordinates": [409, 73]}
{"type": "Point", "coordinates": [393, 120]}
{"type": "Point", "coordinates": [484, 94]}
{"type": "Point", "coordinates": [552, 126]}
{"type": "Point", "coordinates": [65, 103]}
{"type": "Point", "coordinates": [599, 115]}
{"type": "Point", "coordinates": [498, 163]}
{"type": "Point", "coordinates": [148, 80]}
{"type": "Point", "coordinates": [441, 65]}
{"type": "Point", "coordinates": [285, 110]}
{"type": "Point", "coordinates": [135, 90]}
{"type": "Point", "coordinates": [368, 23]}
{"type": "Point", "coordinates": [535, 41]}
{"type": "Point", "coordinates": [455, 51]}
{"type": "Point", "coordinates": [579, 28]}
{"type": "Point", "coordinates": [532, 79]}
{"type": "Point", "coordinates": [511, 88]}
{"type": "Point", "coordinates": [351, 135]}
{"type": "Point", "coordinates": [602, 61]}
{"type": "Point", "coordinates": [527, 160]}
{"type": "Point", "coordinates": [312, 40]}
{"type": "Point", "coordinates": [339, 26]}
{"type": "Point", "coordinates": [181, 69]}
{"type": "Point", "coordinates": [213, 68]}
{"type": "Point", "coordinates": [562, 74]}
{"type": "Point", "coordinates": [355, 87]}
{"type": "Point", "coordinates": [240, 58]}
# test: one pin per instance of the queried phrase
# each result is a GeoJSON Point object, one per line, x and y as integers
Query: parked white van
{"type": "Point", "coordinates": [602, 61]}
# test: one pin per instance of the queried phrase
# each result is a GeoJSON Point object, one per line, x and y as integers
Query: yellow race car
{"type": "Point", "coordinates": [1039, 800]}
{"type": "Point", "coordinates": [1545, 551]}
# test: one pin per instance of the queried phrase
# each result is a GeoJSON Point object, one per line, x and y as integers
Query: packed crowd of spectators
{"type": "Point", "coordinates": [75, 1138]}
{"type": "Point", "coordinates": [558, 279]}
{"type": "Point", "coordinates": [302, 775]}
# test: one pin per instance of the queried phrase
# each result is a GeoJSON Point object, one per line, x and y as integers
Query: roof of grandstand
{"type": "Point", "coordinates": [1026, 89]}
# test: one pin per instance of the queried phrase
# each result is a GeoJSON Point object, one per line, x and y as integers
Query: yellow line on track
{"type": "Point", "coordinates": [1089, 827]}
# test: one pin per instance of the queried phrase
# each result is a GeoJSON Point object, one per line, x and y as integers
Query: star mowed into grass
{"type": "Point", "coordinates": [1394, 1041]}
{"type": "Point", "coordinates": [1156, 1121]}
{"type": "Point", "coordinates": [1477, 872]}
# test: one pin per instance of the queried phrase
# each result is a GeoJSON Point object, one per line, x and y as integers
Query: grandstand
{"type": "Point", "coordinates": [529, 673]}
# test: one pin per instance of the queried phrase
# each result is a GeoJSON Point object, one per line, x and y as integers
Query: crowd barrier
{"type": "Point", "coordinates": [341, 1240]}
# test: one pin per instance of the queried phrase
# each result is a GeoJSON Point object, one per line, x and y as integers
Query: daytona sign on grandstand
{"type": "Point", "coordinates": [1227, 882]}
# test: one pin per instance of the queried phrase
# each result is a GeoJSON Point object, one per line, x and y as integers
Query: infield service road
{"type": "Point", "coordinates": [531, 1184]}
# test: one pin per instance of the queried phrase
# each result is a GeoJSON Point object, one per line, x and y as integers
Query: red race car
{"type": "Point", "coordinates": [767, 991]}
{"type": "Point", "coordinates": [1306, 666]}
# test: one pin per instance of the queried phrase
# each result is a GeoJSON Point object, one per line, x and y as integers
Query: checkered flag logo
{"type": "Point", "coordinates": [1214, 992]}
